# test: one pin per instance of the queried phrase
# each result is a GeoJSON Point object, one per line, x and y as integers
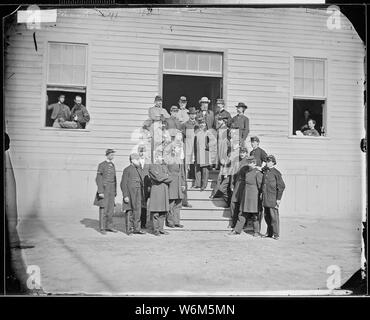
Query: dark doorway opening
{"type": "Point", "coordinates": [193, 88]}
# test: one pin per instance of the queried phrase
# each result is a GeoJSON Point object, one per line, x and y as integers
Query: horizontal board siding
{"type": "Point", "coordinates": [123, 78]}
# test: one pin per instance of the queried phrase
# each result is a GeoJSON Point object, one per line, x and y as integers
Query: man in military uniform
{"type": "Point", "coordinates": [272, 192]}
{"type": "Point", "coordinates": [132, 186]}
{"type": "Point", "coordinates": [61, 112]}
{"type": "Point", "coordinates": [173, 122]}
{"type": "Point", "coordinates": [241, 122]}
{"type": "Point", "coordinates": [222, 112]}
{"type": "Point", "coordinates": [259, 154]}
{"type": "Point", "coordinates": [207, 115]}
{"type": "Point", "coordinates": [79, 114]}
{"type": "Point", "coordinates": [107, 190]}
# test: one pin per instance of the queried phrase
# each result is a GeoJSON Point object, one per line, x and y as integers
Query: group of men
{"type": "Point", "coordinates": [65, 117]}
{"type": "Point", "coordinates": [187, 143]}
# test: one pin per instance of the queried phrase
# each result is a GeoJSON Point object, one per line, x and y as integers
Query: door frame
{"type": "Point", "coordinates": [194, 48]}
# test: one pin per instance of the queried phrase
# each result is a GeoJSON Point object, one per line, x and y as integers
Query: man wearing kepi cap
{"type": "Point", "coordinates": [272, 192]}
{"type": "Point", "coordinates": [107, 190]}
{"type": "Point", "coordinates": [222, 112]}
{"type": "Point", "coordinates": [258, 153]}
{"type": "Point", "coordinates": [183, 112]}
{"type": "Point", "coordinates": [132, 186]}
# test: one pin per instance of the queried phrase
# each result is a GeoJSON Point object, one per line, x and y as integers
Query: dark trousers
{"type": "Point", "coordinates": [201, 176]}
{"type": "Point", "coordinates": [134, 220]}
{"type": "Point", "coordinates": [189, 174]}
{"type": "Point", "coordinates": [234, 211]}
{"type": "Point", "coordinates": [106, 212]}
{"type": "Point", "coordinates": [143, 218]}
{"type": "Point", "coordinates": [272, 221]}
{"type": "Point", "coordinates": [243, 218]}
{"type": "Point", "coordinates": [173, 215]}
{"type": "Point", "coordinates": [158, 220]}
{"type": "Point", "coordinates": [222, 188]}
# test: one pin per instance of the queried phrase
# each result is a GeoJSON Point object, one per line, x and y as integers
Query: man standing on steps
{"type": "Point", "coordinates": [107, 191]}
{"type": "Point", "coordinates": [224, 150]}
{"type": "Point", "coordinates": [222, 112]}
{"type": "Point", "coordinates": [188, 131]}
{"type": "Point", "coordinates": [183, 112]}
{"type": "Point", "coordinates": [237, 185]}
{"type": "Point", "coordinates": [241, 122]}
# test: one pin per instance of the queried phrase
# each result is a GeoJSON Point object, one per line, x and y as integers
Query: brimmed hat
{"type": "Point", "coordinates": [241, 105]}
{"type": "Point", "coordinates": [192, 110]}
{"type": "Point", "coordinates": [271, 158]}
{"type": "Point", "coordinates": [158, 98]}
{"type": "Point", "coordinates": [183, 98]}
{"type": "Point", "coordinates": [109, 151]}
{"type": "Point", "coordinates": [222, 101]}
{"type": "Point", "coordinates": [174, 108]}
{"type": "Point", "coordinates": [134, 156]}
{"type": "Point", "coordinates": [255, 138]}
{"type": "Point", "coordinates": [204, 100]}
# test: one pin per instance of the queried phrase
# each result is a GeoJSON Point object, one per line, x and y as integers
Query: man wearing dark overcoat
{"type": "Point", "coordinates": [144, 164]}
{"type": "Point", "coordinates": [272, 191]}
{"type": "Point", "coordinates": [79, 113]}
{"type": "Point", "coordinates": [202, 157]}
{"type": "Point", "coordinates": [132, 186]}
{"type": "Point", "coordinates": [237, 185]}
{"type": "Point", "coordinates": [241, 122]}
{"type": "Point", "coordinates": [159, 203]}
{"type": "Point", "coordinates": [173, 122]}
{"type": "Point", "coordinates": [222, 112]}
{"type": "Point", "coordinates": [107, 190]}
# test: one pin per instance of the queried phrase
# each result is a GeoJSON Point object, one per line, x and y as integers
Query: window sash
{"type": "Point", "coordinates": [67, 64]}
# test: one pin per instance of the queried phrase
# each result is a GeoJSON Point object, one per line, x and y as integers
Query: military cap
{"type": "Point", "coordinates": [158, 98]}
{"type": "Point", "coordinates": [109, 151]}
{"type": "Point", "coordinates": [241, 105]}
{"type": "Point", "coordinates": [174, 108]}
{"type": "Point", "coordinates": [134, 156]}
{"type": "Point", "coordinates": [255, 138]}
{"type": "Point", "coordinates": [271, 158]}
{"type": "Point", "coordinates": [221, 101]}
{"type": "Point", "coordinates": [183, 98]}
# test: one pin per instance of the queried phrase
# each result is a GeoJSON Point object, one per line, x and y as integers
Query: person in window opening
{"type": "Point", "coordinates": [61, 112]}
{"type": "Point", "coordinates": [311, 131]}
{"type": "Point", "coordinates": [183, 115]}
{"type": "Point", "coordinates": [306, 117]}
{"type": "Point", "coordinates": [79, 116]}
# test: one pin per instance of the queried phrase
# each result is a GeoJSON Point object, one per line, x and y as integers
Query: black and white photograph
{"type": "Point", "coordinates": [185, 150]}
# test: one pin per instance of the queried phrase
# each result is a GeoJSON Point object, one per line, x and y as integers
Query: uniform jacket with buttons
{"type": "Point", "coordinates": [106, 174]}
{"type": "Point", "coordinates": [272, 187]}
{"type": "Point", "coordinates": [132, 186]}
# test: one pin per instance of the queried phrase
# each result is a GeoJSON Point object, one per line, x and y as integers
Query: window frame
{"type": "Point", "coordinates": [68, 40]}
{"type": "Point", "coordinates": [313, 55]}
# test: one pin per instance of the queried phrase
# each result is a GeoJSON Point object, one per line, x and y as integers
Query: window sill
{"type": "Point", "coordinates": [309, 137]}
{"type": "Point", "coordinates": [64, 130]}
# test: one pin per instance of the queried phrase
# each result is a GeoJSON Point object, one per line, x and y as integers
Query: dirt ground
{"type": "Point", "coordinates": [74, 258]}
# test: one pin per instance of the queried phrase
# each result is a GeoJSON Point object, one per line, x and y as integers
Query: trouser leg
{"type": "Point", "coordinates": [101, 219]}
{"type": "Point", "coordinates": [255, 222]}
{"type": "Point", "coordinates": [109, 196]}
{"type": "Point", "coordinates": [143, 218]}
{"type": "Point", "coordinates": [137, 219]}
{"type": "Point", "coordinates": [161, 218]}
{"type": "Point", "coordinates": [176, 211]}
{"type": "Point", "coordinates": [198, 175]}
{"type": "Point", "coordinates": [274, 221]}
{"type": "Point", "coordinates": [185, 192]}
{"type": "Point", "coordinates": [225, 189]}
{"type": "Point", "coordinates": [155, 219]}
{"type": "Point", "coordinates": [234, 211]}
{"type": "Point", "coordinates": [170, 220]}
{"type": "Point", "coordinates": [268, 221]}
{"type": "Point", "coordinates": [205, 175]}
{"type": "Point", "coordinates": [242, 218]}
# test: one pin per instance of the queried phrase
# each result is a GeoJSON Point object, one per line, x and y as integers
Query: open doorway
{"type": "Point", "coordinates": [192, 87]}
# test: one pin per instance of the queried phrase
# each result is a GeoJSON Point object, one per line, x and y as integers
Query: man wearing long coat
{"type": "Point", "coordinates": [107, 190]}
{"type": "Point", "coordinates": [201, 150]}
{"type": "Point", "coordinates": [241, 122]}
{"type": "Point", "coordinates": [132, 186]}
{"type": "Point", "coordinates": [159, 203]}
{"type": "Point", "coordinates": [272, 191]}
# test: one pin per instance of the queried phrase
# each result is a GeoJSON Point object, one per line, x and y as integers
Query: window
{"type": "Point", "coordinates": [310, 95]}
{"type": "Point", "coordinates": [66, 75]}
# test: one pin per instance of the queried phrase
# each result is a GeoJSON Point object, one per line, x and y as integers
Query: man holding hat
{"type": "Point", "coordinates": [222, 112]}
{"type": "Point", "coordinates": [272, 192]}
{"type": "Point", "coordinates": [132, 186]}
{"type": "Point", "coordinates": [241, 122]}
{"type": "Point", "coordinates": [183, 112]}
{"type": "Point", "coordinates": [157, 112]}
{"type": "Point", "coordinates": [258, 153]}
{"type": "Point", "coordinates": [107, 190]}
{"type": "Point", "coordinates": [206, 114]}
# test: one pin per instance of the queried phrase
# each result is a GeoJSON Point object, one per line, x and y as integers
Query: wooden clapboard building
{"type": "Point", "coordinates": [278, 61]}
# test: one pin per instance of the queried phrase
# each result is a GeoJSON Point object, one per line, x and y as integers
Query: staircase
{"type": "Point", "coordinates": [206, 214]}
